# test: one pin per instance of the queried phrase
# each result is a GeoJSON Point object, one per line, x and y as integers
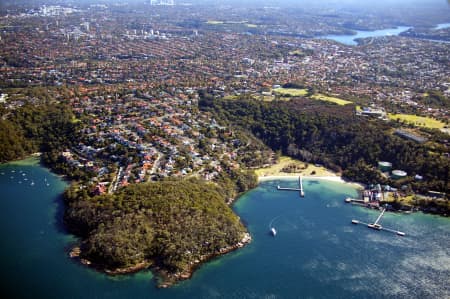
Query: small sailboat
{"type": "Point", "coordinates": [273, 231]}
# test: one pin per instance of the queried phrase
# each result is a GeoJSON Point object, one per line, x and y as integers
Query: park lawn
{"type": "Point", "coordinates": [272, 98]}
{"type": "Point", "coordinates": [338, 101]}
{"type": "Point", "coordinates": [264, 98]}
{"type": "Point", "coordinates": [292, 92]}
{"type": "Point", "coordinates": [231, 97]}
{"type": "Point", "coordinates": [420, 121]}
{"type": "Point", "coordinates": [296, 52]}
{"type": "Point", "coordinates": [245, 23]}
{"type": "Point", "coordinates": [213, 22]}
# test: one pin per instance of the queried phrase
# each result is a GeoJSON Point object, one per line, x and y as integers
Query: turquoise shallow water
{"type": "Point", "coordinates": [317, 253]}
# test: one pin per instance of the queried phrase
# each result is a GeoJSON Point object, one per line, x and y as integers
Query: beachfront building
{"type": "Point", "coordinates": [398, 174]}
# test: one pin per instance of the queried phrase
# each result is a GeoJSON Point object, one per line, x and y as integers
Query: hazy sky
{"type": "Point", "coordinates": [357, 4]}
{"type": "Point", "coordinates": [336, 3]}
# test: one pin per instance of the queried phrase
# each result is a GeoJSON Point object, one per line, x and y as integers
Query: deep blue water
{"type": "Point", "coordinates": [351, 39]}
{"type": "Point", "coordinates": [317, 252]}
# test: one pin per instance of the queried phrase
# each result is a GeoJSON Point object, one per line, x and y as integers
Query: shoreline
{"type": "Point", "coordinates": [335, 178]}
{"type": "Point", "coordinates": [308, 171]}
{"type": "Point", "coordinates": [163, 278]}
{"type": "Point", "coordinates": [31, 159]}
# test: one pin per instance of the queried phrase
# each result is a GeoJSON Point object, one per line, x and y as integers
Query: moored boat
{"type": "Point", "coordinates": [273, 231]}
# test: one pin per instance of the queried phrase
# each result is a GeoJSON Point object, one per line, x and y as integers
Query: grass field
{"type": "Point", "coordinates": [296, 52]}
{"type": "Point", "coordinates": [244, 23]}
{"type": "Point", "coordinates": [292, 92]}
{"type": "Point", "coordinates": [419, 121]}
{"type": "Point", "coordinates": [212, 22]}
{"type": "Point", "coordinates": [331, 99]}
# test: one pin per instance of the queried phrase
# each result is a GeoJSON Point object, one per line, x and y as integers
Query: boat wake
{"type": "Point", "coordinates": [272, 230]}
{"type": "Point", "coordinates": [273, 220]}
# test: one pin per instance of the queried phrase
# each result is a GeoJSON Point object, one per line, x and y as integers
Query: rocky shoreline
{"type": "Point", "coordinates": [165, 279]}
{"type": "Point", "coordinates": [169, 279]}
{"type": "Point", "coordinates": [75, 253]}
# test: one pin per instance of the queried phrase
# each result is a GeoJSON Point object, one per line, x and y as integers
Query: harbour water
{"type": "Point", "coordinates": [351, 39]}
{"type": "Point", "coordinates": [316, 253]}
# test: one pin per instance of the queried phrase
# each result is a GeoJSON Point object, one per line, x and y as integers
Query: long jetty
{"type": "Point", "coordinates": [379, 217]}
{"type": "Point", "coordinates": [300, 189]}
{"type": "Point", "coordinates": [377, 226]}
{"type": "Point", "coordinates": [300, 183]}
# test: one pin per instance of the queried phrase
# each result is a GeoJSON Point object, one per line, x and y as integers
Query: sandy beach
{"type": "Point", "coordinates": [306, 170]}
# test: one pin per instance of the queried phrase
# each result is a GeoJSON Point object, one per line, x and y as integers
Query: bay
{"type": "Point", "coordinates": [351, 39]}
{"type": "Point", "coordinates": [317, 252]}
{"type": "Point", "coordinates": [442, 26]}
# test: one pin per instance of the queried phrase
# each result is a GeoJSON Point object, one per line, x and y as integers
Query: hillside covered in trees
{"type": "Point", "coordinates": [334, 136]}
{"type": "Point", "coordinates": [174, 225]}
{"type": "Point", "coordinates": [47, 127]}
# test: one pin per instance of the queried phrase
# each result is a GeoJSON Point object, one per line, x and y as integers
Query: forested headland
{"type": "Point", "coordinates": [172, 225]}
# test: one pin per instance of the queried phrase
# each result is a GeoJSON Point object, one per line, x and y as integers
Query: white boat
{"type": "Point", "coordinates": [400, 233]}
{"type": "Point", "coordinates": [273, 231]}
{"type": "Point", "coordinates": [355, 221]}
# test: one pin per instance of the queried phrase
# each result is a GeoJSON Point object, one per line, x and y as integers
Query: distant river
{"type": "Point", "coordinates": [442, 26]}
{"type": "Point", "coordinates": [317, 252]}
{"type": "Point", "coordinates": [351, 39]}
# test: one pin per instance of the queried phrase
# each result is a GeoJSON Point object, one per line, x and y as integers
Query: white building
{"type": "Point", "coordinates": [3, 98]}
{"type": "Point", "coordinates": [162, 2]}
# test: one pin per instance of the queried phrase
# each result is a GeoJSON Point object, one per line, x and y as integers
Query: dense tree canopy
{"type": "Point", "coordinates": [45, 127]}
{"type": "Point", "coordinates": [334, 136]}
{"type": "Point", "coordinates": [172, 223]}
